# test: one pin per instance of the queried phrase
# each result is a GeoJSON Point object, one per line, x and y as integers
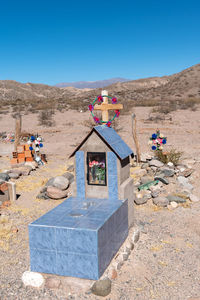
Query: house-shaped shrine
{"type": "Point", "coordinates": [80, 236]}
{"type": "Point", "coordinates": [102, 166]}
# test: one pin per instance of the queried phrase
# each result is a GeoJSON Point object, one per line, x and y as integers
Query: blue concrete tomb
{"type": "Point", "coordinates": [80, 236]}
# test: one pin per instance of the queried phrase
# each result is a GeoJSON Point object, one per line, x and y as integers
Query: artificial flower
{"type": "Point", "coordinates": [100, 99]}
{"type": "Point", "coordinates": [117, 112]}
{"type": "Point", "coordinates": [108, 124]}
{"type": "Point", "coordinates": [153, 148]}
{"type": "Point", "coordinates": [91, 107]}
{"type": "Point", "coordinates": [164, 141]}
{"type": "Point", "coordinates": [96, 120]}
{"type": "Point", "coordinates": [114, 100]}
{"type": "Point", "coordinates": [154, 136]}
{"type": "Point", "coordinates": [159, 141]}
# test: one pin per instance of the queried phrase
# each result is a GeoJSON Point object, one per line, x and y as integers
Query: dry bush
{"type": "Point", "coordinates": [189, 103]}
{"type": "Point", "coordinates": [147, 103]}
{"type": "Point", "coordinates": [45, 118]}
{"type": "Point", "coordinates": [172, 156]}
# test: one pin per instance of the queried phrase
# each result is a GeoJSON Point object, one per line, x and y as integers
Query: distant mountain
{"type": "Point", "coordinates": [182, 85]}
{"type": "Point", "coordinates": [91, 84]}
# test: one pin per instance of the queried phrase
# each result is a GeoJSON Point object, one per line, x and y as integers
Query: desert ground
{"type": "Point", "coordinates": [164, 265]}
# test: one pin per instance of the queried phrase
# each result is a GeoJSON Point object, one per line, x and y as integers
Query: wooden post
{"type": "Point", "coordinates": [18, 126]}
{"type": "Point", "coordinates": [105, 101]}
{"type": "Point", "coordinates": [134, 131]}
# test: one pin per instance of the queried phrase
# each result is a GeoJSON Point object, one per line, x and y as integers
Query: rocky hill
{"type": "Point", "coordinates": [180, 86]}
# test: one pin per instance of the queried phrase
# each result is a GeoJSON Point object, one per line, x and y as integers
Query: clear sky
{"type": "Point", "coordinates": [64, 41]}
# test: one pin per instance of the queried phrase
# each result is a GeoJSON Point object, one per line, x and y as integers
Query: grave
{"type": "Point", "coordinates": [79, 237]}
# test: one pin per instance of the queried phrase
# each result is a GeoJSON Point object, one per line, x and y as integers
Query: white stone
{"type": "Point", "coordinates": [194, 198]}
{"type": "Point", "coordinates": [33, 279]}
{"type": "Point", "coordinates": [170, 164]}
{"type": "Point", "coordinates": [174, 204]}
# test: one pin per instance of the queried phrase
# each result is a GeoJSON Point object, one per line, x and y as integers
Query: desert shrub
{"type": "Point", "coordinates": [45, 118]}
{"type": "Point", "coordinates": [189, 103]}
{"type": "Point", "coordinates": [147, 102]}
{"type": "Point", "coordinates": [171, 156]}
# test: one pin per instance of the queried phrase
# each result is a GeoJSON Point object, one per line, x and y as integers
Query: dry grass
{"type": "Point", "coordinates": [30, 183]}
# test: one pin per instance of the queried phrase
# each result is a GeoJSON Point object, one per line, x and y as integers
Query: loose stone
{"type": "Point", "coordinates": [69, 176]}
{"type": "Point", "coordinates": [102, 287]}
{"type": "Point", "coordinates": [193, 198]}
{"type": "Point", "coordinates": [174, 204]}
{"type": "Point", "coordinates": [52, 283]}
{"type": "Point", "coordinates": [55, 193]}
{"type": "Point", "coordinates": [156, 163]}
{"type": "Point", "coordinates": [170, 164]}
{"type": "Point", "coordinates": [161, 201]}
{"type": "Point", "coordinates": [4, 176]}
{"type": "Point", "coordinates": [163, 180]}
{"type": "Point", "coordinates": [135, 236]}
{"type": "Point", "coordinates": [14, 175]}
{"type": "Point", "coordinates": [176, 199]}
{"type": "Point", "coordinates": [167, 172]}
{"type": "Point", "coordinates": [184, 182]}
{"type": "Point", "coordinates": [146, 179]}
{"type": "Point", "coordinates": [33, 279]}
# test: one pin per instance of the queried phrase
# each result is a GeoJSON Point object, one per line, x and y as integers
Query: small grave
{"type": "Point", "coordinates": [79, 237]}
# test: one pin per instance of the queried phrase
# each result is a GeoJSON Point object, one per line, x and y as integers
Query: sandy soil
{"type": "Point", "coordinates": [166, 261]}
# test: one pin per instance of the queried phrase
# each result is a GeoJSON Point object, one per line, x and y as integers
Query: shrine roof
{"type": "Point", "coordinates": [112, 139]}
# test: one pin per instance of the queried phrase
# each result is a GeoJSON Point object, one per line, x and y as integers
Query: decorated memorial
{"type": "Point", "coordinates": [80, 237]}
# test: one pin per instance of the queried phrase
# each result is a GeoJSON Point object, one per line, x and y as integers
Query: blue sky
{"type": "Point", "coordinates": [64, 41]}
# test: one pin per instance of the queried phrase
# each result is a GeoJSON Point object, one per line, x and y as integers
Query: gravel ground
{"type": "Point", "coordinates": [165, 263]}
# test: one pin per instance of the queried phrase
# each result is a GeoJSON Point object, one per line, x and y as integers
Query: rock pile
{"type": "Point", "coordinates": [166, 185]}
{"type": "Point", "coordinates": [56, 187]}
{"type": "Point", "coordinates": [17, 170]}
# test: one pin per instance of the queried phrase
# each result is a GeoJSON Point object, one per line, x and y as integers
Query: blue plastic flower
{"type": "Point", "coordinates": [31, 148]}
{"type": "Point", "coordinates": [153, 147]}
{"type": "Point", "coordinates": [164, 141]}
{"type": "Point", "coordinates": [154, 136]}
{"type": "Point", "coordinates": [32, 138]}
{"type": "Point", "coordinates": [41, 145]}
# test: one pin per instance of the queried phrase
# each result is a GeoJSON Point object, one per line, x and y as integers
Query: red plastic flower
{"type": "Point", "coordinates": [91, 107]}
{"type": "Point", "coordinates": [117, 112]}
{"type": "Point", "coordinates": [100, 99]}
{"type": "Point", "coordinates": [114, 100]}
{"type": "Point", "coordinates": [96, 120]}
{"type": "Point", "coordinates": [108, 123]}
